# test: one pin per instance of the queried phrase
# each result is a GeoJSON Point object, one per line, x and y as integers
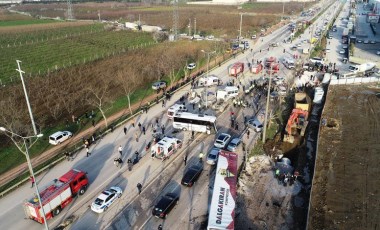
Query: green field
{"type": "Point", "coordinates": [48, 52]}
{"type": "Point", "coordinates": [26, 22]}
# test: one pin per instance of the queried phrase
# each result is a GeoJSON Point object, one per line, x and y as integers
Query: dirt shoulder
{"type": "Point", "coordinates": [345, 193]}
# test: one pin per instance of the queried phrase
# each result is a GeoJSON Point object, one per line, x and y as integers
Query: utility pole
{"type": "Point", "coordinates": [195, 26]}
{"type": "Point", "coordinates": [26, 96]}
{"type": "Point", "coordinates": [189, 26]}
{"type": "Point", "coordinates": [241, 23]}
{"type": "Point", "coordinates": [70, 15]}
{"type": "Point", "coordinates": [99, 15]}
{"type": "Point", "coordinates": [208, 61]}
{"type": "Point", "coordinates": [267, 105]}
{"type": "Point", "coordinates": [175, 19]}
{"type": "Point", "coordinates": [283, 8]}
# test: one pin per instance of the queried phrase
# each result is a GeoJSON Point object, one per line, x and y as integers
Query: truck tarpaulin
{"type": "Point", "coordinates": [222, 209]}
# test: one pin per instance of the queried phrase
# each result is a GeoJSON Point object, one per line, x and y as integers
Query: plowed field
{"type": "Point", "coordinates": [346, 186]}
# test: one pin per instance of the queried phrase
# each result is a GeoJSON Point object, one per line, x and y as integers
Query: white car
{"type": "Point", "coordinates": [222, 140]}
{"type": "Point", "coordinates": [342, 51]}
{"type": "Point", "coordinates": [366, 41]}
{"type": "Point", "coordinates": [345, 47]}
{"type": "Point", "coordinates": [327, 50]}
{"type": "Point", "coordinates": [105, 199]}
{"type": "Point", "coordinates": [378, 52]}
{"type": "Point", "coordinates": [191, 66]}
{"type": "Point", "coordinates": [372, 42]}
{"type": "Point", "coordinates": [159, 85]}
{"type": "Point", "coordinates": [253, 36]}
{"type": "Point", "coordinates": [59, 137]}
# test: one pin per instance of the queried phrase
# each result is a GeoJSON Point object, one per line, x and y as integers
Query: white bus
{"type": "Point", "coordinates": [194, 122]}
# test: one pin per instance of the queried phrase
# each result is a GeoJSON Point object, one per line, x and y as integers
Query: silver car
{"type": "Point", "coordinates": [222, 140]}
{"type": "Point", "coordinates": [255, 124]}
{"type": "Point", "coordinates": [212, 156]}
{"type": "Point", "coordinates": [159, 85]}
{"type": "Point", "coordinates": [105, 199]}
{"type": "Point", "coordinates": [232, 146]}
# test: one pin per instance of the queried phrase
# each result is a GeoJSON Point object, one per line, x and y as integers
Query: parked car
{"type": "Point", "coordinates": [105, 199]}
{"type": "Point", "coordinates": [165, 205]}
{"type": "Point", "coordinates": [222, 140]}
{"type": "Point", "coordinates": [159, 85]}
{"type": "Point", "coordinates": [253, 36]}
{"type": "Point", "coordinates": [229, 50]}
{"type": "Point", "coordinates": [345, 47]}
{"type": "Point", "coordinates": [342, 51]}
{"type": "Point", "coordinates": [359, 41]}
{"type": "Point", "coordinates": [378, 52]}
{"type": "Point", "coordinates": [232, 146]}
{"type": "Point", "coordinates": [192, 174]}
{"type": "Point", "coordinates": [372, 42]}
{"type": "Point", "coordinates": [59, 137]}
{"type": "Point", "coordinates": [212, 156]}
{"type": "Point", "coordinates": [327, 50]}
{"type": "Point", "coordinates": [191, 66]}
{"type": "Point", "coordinates": [366, 42]}
{"type": "Point", "coordinates": [255, 124]}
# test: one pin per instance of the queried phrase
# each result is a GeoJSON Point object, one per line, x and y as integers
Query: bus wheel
{"type": "Point", "coordinates": [57, 211]}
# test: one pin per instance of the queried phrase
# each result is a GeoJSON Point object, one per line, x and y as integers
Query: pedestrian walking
{"type": "Point", "coordinates": [143, 130]}
{"type": "Point", "coordinates": [192, 134]}
{"type": "Point", "coordinates": [159, 227]}
{"type": "Point", "coordinates": [93, 122]}
{"type": "Point", "coordinates": [139, 188]}
{"type": "Point", "coordinates": [32, 181]}
{"type": "Point", "coordinates": [193, 106]}
{"type": "Point", "coordinates": [185, 159]}
{"type": "Point", "coordinates": [137, 156]}
{"type": "Point", "coordinates": [125, 130]}
{"type": "Point", "coordinates": [163, 103]}
{"type": "Point", "coordinates": [133, 122]}
{"type": "Point", "coordinates": [136, 137]}
{"type": "Point", "coordinates": [163, 129]}
{"type": "Point", "coordinates": [139, 125]}
{"type": "Point", "coordinates": [200, 157]}
{"type": "Point", "coordinates": [236, 126]}
{"type": "Point", "coordinates": [118, 162]}
{"type": "Point", "coordinates": [88, 152]}
{"type": "Point", "coordinates": [157, 120]}
{"type": "Point", "coordinates": [120, 150]}
{"type": "Point", "coordinates": [248, 134]}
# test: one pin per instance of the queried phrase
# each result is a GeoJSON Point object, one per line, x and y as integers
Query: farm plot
{"type": "Point", "coordinates": [48, 55]}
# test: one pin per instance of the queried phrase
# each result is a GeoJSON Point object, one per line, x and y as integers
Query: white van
{"type": "Point", "coordinates": [176, 108]}
{"type": "Point", "coordinates": [59, 137]}
{"type": "Point", "coordinates": [317, 60]}
{"type": "Point", "coordinates": [208, 81]}
{"type": "Point", "coordinates": [227, 93]}
{"type": "Point", "coordinates": [288, 63]}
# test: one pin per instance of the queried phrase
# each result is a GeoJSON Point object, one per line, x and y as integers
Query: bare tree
{"type": "Point", "coordinates": [129, 82]}
{"type": "Point", "coordinates": [98, 95]}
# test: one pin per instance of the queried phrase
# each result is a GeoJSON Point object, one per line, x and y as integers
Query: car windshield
{"type": "Point", "coordinates": [99, 201]}
{"type": "Point", "coordinates": [219, 141]}
{"type": "Point", "coordinates": [222, 137]}
{"type": "Point", "coordinates": [212, 156]}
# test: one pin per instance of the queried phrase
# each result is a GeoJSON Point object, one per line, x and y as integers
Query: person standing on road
{"type": "Point", "coordinates": [143, 130]}
{"type": "Point", "coordinates": [200, 157]}
{"type": "Point", "coordinates": [139, 188]}
{"type": "Point", "coordinates": [185, 159]}
{"type": "Point", "coordinates": [32, 181]}
{"type": "Point", "coordinates": [248, 134]}
{"type": "Point", "coordinates": [136, 137]}
{"type": "Point", "coordinates": [87, 152]}
{"type": "Point", "coordinates": [139, 125]}
{"type": "Point", "coordinates": [125, 130]}
{"type": "Point", "coordinates": [133, 122]}
{"type": "Point", "coordinates": [120, 150]}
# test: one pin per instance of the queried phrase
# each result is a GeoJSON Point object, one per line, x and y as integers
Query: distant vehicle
{"type": "Point", "coordinates": [59, 137]}
{"type": "Point", "coordinates": [235, 46]}
{"type": "Point", "coordinates": [236, 69]}
{"type": "Point", "coordinates": [229, 92]}
{"type": "Point", "coordinates": [372, 42]}
{"type": "Point", "coordinates": [378, 52]}
{"type": "Point", "coordinates": [342, 51]}
{"type": "Point", "coordinates": [57, 195]}
{"type": "Point", "coordinates": [209, 81]}
{"type": "Point", "coordinates": [317, 60]}
{"type": "Point", "coordinates": [345, 47]}
{"type": "Point", "coordinates": [327, 50]}
{"type": "Point", "coordinates": [288, 63]}
{"type": "Point", "coordinates": [232, 146]}
{"type": "Point", "coordinates": [166, 147]}
{"type": "Point", "coordinates": [293, 48]}
{"type": "Point", "coordinates": [299, 45]}
{"type": "Point", "coordinates": [165, 205]}
{"type": "Point", "coordinates": [366, 42]}
{"type": "Point", "coordinates": [159, 85]}
{"type": "Point", "coordinates": [274, 44]}
{"type": "Point", "coordinates": [359, 41]}
{"type": "Point", "coordinates": [192, 174]}
{"type": "Point", "coordinates": [176, 108]}
{"type": "Point", "coordinates": [191, 66]}
{"type": "Point", "coordinates": [255, 124]}
{"type": "Point", "coordinates": [254, 36]}
{"type": "Point", "coordinates": [212, 156]}
{"type": "Point", "coordinates": [194, 122]}
{"type": "Point", "coordinates": [262, 30]}
{"type": "Point", "coordinates": [361, 68]}
{"type": "Point", "coordinates": [222, 140]}
{"type": "Point", "coordinates": [229, 50]}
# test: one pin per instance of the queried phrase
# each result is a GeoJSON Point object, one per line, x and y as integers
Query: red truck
{"type": "Point", "coordinates": [269, 61]}
{"type": "Point", "coordinates": [237, 68]}
{"type": "Point", "coordinates": [257, 68]}
{"type": "Point", "coordinates": [57, 195]}
{"type": "Point", "coordinates": [275, 67]}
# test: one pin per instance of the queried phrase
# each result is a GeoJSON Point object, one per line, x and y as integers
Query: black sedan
{"type": "Point", "coordinates": [191, 175]}
{"type": "Point", "coordinates": [165, 205]}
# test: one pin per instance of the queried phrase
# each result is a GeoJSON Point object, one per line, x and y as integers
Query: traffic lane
{"type": "Point", "coordinates": [139, 210]}
{"type": "Point", "coordinates": [188, 201]}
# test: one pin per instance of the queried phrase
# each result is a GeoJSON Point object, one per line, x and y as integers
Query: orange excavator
{"type": "Point", "coordinates": [297, 121]}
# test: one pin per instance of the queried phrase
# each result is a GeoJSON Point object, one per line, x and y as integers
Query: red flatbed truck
{"type": "Point", "coordinates": [56, 195]}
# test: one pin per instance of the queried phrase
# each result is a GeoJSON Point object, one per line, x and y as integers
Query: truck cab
{"type": "Point", "coordinates": [78, 181]}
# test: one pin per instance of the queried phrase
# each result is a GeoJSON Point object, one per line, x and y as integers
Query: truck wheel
{"type": "Point", "coordinates": [57, 211]}
{"type": "Point", "coordinates": [82, 190]}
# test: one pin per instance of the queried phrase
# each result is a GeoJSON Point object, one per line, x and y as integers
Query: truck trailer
{"type": "Point", "coordinates": [56, 195]}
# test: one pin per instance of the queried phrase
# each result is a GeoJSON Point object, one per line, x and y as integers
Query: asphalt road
{"type": "Point", "coordinates": [151, 173]}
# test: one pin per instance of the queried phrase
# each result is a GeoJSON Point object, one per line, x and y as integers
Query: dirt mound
{"type": "Point", "coordinates": [345, 193]}
{"type": "Point", "coordinates": [263, 203]}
